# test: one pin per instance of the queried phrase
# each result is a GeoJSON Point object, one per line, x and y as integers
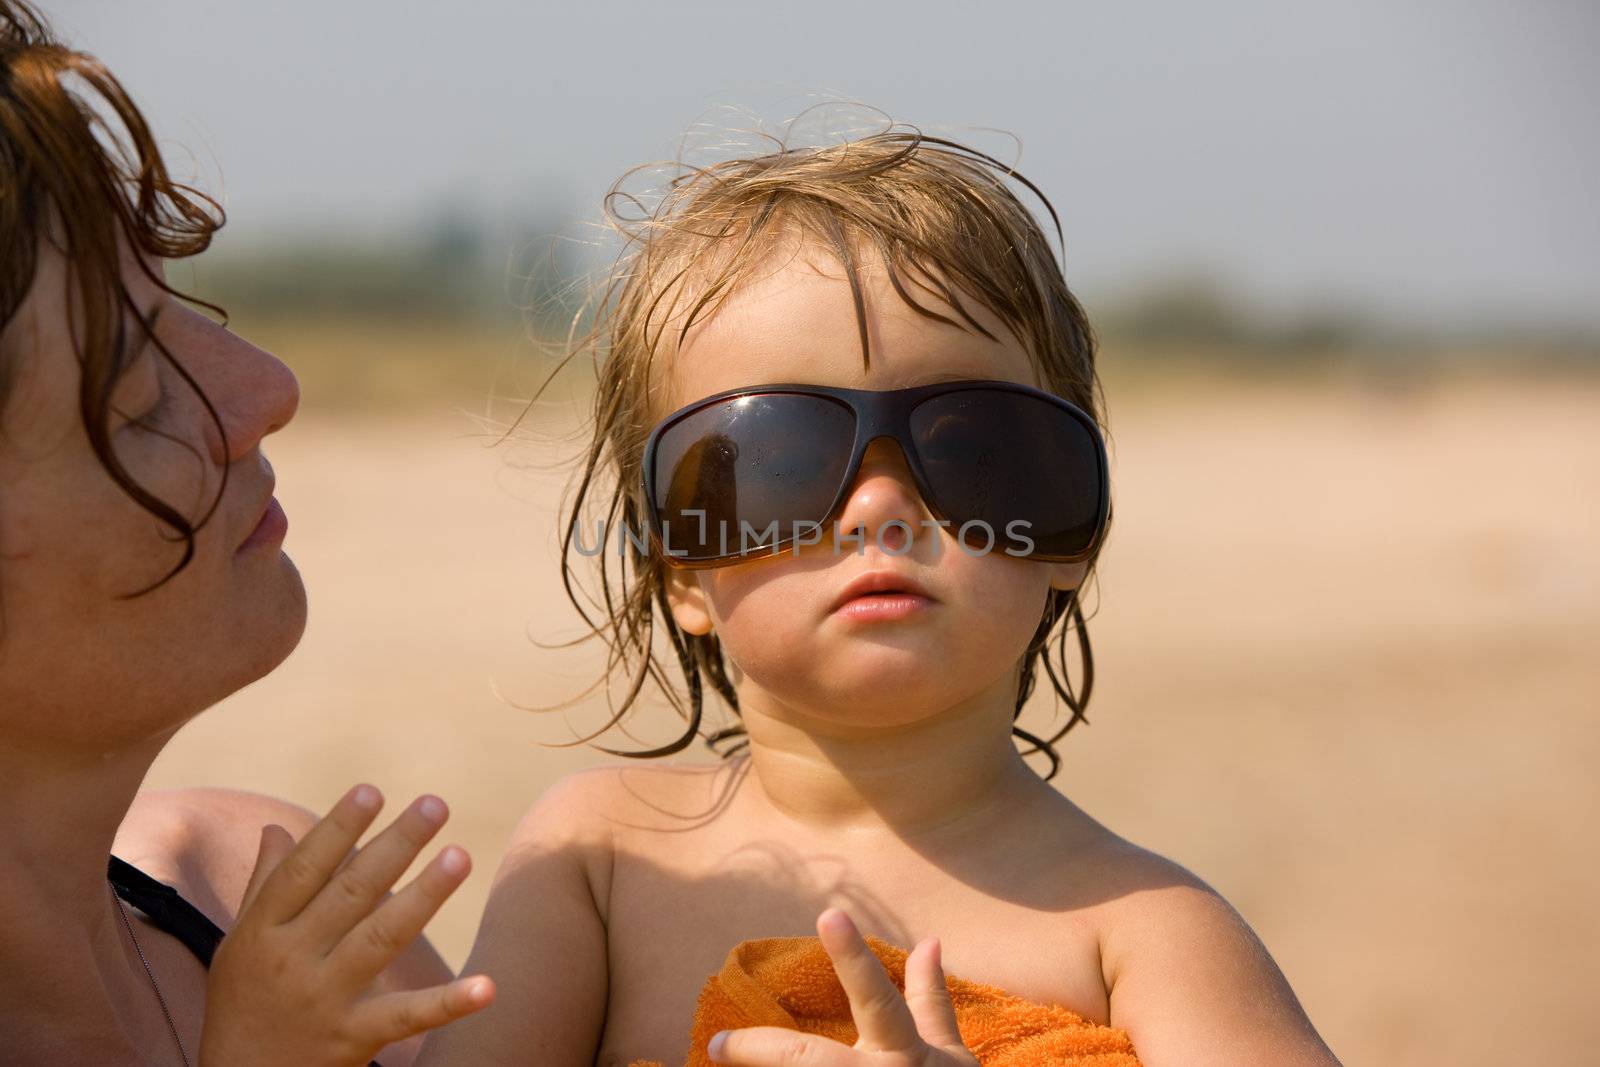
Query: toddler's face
{"type": "Point", "coordinates": [796, 656]}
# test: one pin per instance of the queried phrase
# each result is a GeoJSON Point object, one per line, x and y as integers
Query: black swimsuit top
{"type": "Point", "coordinates": [164, 907]}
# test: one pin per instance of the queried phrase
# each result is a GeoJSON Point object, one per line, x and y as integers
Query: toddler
{"type": "Point", "coordinates": [850, 476]}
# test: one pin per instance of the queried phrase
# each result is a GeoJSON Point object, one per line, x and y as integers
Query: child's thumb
{"type": "Point", "coordinates": [276, 843]}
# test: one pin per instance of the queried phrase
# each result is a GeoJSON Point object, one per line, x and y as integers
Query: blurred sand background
{"type": "Point", "coordinates": [1344, 643]}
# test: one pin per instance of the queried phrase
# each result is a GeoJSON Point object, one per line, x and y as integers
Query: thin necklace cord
{"type": "Point", "coordinates": [160, 999]}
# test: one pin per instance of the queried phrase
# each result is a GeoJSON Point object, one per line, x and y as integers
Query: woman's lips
{"type": "Point", "coordinates": [271, 530]}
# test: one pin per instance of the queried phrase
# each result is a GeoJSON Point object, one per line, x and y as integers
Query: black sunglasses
{"type": "Point", "coordinates": [752, 471]}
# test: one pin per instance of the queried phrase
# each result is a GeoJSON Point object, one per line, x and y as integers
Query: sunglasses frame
{"type": "Point", "coordinates": [877, 413]}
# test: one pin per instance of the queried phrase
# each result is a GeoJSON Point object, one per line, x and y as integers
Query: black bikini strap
{"type": "Point", "coordinates": [168, 910]}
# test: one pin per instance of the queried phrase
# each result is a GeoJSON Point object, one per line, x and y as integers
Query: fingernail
{"type": "Point", "coordinates": [835, 919]}
{"type": "Point", "coordinates": [453, 861]}
{"type": "Point", "coordinates": [714, 1049]}
{"type": "Point", "coordinates": [366, 798]}
{"type": "Point", "coordinates": [432, 809]}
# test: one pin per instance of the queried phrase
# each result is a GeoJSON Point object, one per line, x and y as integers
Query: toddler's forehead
{"type": "Point", "coordinates": [797, 320]}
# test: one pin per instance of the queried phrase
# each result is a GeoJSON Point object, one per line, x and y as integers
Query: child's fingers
{"type": "Point", "coordinates": [275, 844]}
{"type": "Point", "coordinates": [357, 887]}
{"type": "Point", "coordinates": [396, 1016]}
{"type": "Point", "coordinates": [929, 998]}
{"type": "Point", "coordinates": [775, 1046]}
{"type": "Point", "coordinates": [301, 874]}
{"type": "Point", "coordinates": [383, 935]}
{"type": "Point", "coordinates": [877, 1006]}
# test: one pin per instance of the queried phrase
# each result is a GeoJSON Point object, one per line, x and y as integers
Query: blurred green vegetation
{"type": "Point", "coordinates": [1199, 312]}
{"type": "Point", "coordinates": [452, 268]}
{"type": "Point", "coordinates": [453, 314]}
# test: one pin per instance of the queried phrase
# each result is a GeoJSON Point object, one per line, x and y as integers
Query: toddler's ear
{"type": "Point", "coordinates": [1068, 575]}
{"type": "Point", "coordinates": [688, 601]}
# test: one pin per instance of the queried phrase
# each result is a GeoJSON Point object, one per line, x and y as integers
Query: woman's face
{"type": "Point", "coordinates": [81, 663]}
{"type": "Point", "coordinates": [800, 658]}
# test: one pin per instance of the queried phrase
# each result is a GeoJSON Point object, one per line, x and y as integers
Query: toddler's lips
{"type": "Point", "coordinates": [883, 607]}
{"type": "Point", "coordinates": [888, 588]}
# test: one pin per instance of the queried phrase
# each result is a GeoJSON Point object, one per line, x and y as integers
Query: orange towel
{"type": "Point", "coordinates": [789, 982]}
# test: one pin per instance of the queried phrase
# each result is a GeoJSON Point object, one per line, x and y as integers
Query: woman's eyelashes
{"type": "Point", "coordinates": [140, 398]}
{"type": "Point", "coordinates": [140, 395]}
{"type": "Point", "coordinates": [150, 420]}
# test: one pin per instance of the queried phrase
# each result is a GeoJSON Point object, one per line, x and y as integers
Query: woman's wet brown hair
{"type": "Point", "coordinates": [80, 170]}
{"type": "Point", "coordinates": [944, 222]}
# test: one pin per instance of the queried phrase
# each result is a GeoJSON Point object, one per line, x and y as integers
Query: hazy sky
{"type": "Point", "coordinates": [1432, 160]}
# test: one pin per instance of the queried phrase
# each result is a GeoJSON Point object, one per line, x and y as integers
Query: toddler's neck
{"type": "Point", "coordinates": [942, 775]}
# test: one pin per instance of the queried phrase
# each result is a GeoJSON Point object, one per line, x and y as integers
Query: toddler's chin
{"type": "Point", "coordinates": [884, 699]}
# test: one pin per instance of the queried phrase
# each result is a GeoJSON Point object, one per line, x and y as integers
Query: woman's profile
{"type": "Point", "coordinates": [143, 579]}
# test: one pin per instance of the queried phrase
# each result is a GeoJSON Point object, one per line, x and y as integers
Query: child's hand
{"type": "Point", "coordinates": [293, 982]}
{"type": "Point", "coordinates": [916, 1030]}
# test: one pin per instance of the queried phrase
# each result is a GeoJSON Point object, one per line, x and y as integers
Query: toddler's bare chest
{"type": "Point", "coordinates": [674, 912]}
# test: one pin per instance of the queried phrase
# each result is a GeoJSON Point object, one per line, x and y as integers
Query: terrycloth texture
{"type": "Point", "coordinates": [789, 982]}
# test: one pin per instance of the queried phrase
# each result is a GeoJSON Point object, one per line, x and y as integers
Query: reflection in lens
{"type": "Point", "coordinates": [998, 457]}
{"type": "Point", "coordinates": [743, 472]}
{"type": "Point", "coordinates": [705, 482]}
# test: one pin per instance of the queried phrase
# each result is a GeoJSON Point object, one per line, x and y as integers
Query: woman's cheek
{"type": "Point", "coordinates": [168, 464]}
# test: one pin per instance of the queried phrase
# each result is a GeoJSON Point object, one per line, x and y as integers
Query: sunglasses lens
{"type": "Point", "coordinates": [995, 457]}
{"type": "Point", "coordinates": [746, 472]}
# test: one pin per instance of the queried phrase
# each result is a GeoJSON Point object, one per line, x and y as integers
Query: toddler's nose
{"type": "Point", "coordinates": [883, 502]}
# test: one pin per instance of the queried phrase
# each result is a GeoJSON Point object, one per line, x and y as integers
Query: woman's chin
{"type": "Point", "coordinates": [274, 622]}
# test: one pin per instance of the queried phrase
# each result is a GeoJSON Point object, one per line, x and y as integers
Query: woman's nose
{"type": "Point", "coordinates": [253, 392]}
{"type": "Point", "coordinates": [883, 502]}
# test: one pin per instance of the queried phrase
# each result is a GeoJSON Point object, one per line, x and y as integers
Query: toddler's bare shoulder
{"type": "Point", "coordinates": [1109, 871]}
{"type": "Point", "coordinates": [1140, 890]}
{"type": "Point", "coordinates": [604, 805]}
{"type": "Point", "coordinates": [572, 835]}
{"type": "Point", "coordinates": [1131, 888]}
{"type": "Point", "coordinates": [1178, 960]}
{"type": "Point", "coordinates": [1126, 892]}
